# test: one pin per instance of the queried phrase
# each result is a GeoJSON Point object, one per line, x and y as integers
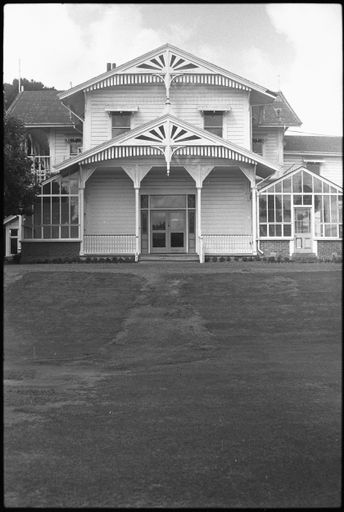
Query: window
{"type": "Point", "coordinates": [313, 166]}
{"type": "Point", "coordinates": [213, 122]}
{"type": "Point", "coordinates": [257, 114]}
{"type": "Point", "coordinates": [75, 146]}
{"type": "Point", "coordinates": [120, 123]}
{"type": "Point", "coordinates": [13, 241]}
{"type": "Point", "coordinates": [257, 146]}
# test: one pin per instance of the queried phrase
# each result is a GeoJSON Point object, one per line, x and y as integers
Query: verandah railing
{"type": "Point", "coordinates": [227, 244]}
{"type": "Point", "coordinates": [40, 167]}
{"type": "Point", "coordinates": [109, 244]}
{"type": "Point", "coordinates": [209, 244]}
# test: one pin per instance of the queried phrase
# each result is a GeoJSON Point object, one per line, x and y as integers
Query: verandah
{"type": "Point", "coordinates": [219, 196]}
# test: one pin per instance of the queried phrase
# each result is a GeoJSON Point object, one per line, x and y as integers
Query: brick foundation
{"type": "Point", "coordinates": [33, 251]}
{"type": "Point", "coordinates": [327, 248]}
{"type": "Point", "coordinates": [275, 248]}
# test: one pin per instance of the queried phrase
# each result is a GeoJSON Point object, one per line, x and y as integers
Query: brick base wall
{"type": "Point", "coordinates": [33, 251]}
{"type": "Point", "coordinates": [326, 248]}
{"type": "Point", "coordinates": [275, 247]}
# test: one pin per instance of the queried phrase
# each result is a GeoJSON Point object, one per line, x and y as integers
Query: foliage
{"type": "Point", "coordinates": [19, 184]}
{"type": "Point", "coordinates": [11, 90]}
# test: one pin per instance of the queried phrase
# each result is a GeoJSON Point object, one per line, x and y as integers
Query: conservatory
{"type": "Point", "coordinates": [300, 213]}
{"type": "Point", "coordinates": [55, 211]}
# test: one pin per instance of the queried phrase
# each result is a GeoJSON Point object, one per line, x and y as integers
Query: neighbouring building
{"type": "Point", "coordinates": [171, 155]}
{"type": "Point", "coordinates": [12, 226]}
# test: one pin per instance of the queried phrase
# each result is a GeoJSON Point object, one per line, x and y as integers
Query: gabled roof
{"type": "Point", "coordinates": [180, 61]}
{"type": "Point", "coordinates": [40, 108]}
{"type": "Point", "coordinates": [313, 144]}
{"type": "Point", "coordinates": [271, 179]}
{"type": "Point", "coordinates": [181, 135]}
{"type": "Point", "coordinates": [10, 218]}
{"type": "Point", "coordinates": [278, 113]}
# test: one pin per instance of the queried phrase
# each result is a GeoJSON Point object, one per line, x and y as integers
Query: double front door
{"type": "Point", "coordinates": [168, 231]}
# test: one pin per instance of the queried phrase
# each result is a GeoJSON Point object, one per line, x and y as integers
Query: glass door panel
{"type": "Point", "coordinates": [302, 228]}
{"type": "Point", "coordinates": [176, 228]}
{"type": "Point", "coordinates": [302, 220]}
{"type": "Point", "coordinates": [158, 229]}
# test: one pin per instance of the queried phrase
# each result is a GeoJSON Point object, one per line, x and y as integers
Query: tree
{"type": "Point", "coordinates": [19, 182]}
{"type": "Point", "coordinates": [11, 90]}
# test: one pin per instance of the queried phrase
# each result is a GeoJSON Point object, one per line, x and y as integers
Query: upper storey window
{"type": "Point", "coordinates": [213, 122]}
{"type": "Point", "coordinates": [257, 146]}
{"type": "Point", "coordinates": [120, 122]}
{"type": "Point", "coordinates": [75, 146]}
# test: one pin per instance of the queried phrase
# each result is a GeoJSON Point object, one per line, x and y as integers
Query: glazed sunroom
{"type": "Point", "coordinates": [165, 187]}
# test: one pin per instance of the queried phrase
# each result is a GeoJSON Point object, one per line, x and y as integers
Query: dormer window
{"type": "Point", "coordinates": [120, 123]}
{"type": "Point", "coordinates": [213, 122]}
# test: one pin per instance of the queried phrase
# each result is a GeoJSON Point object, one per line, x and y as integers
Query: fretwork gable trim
{"type": "Point", "coordinates": [186, 68]}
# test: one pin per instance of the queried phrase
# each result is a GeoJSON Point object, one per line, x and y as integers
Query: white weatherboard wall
{"type": "Point", "coordinates": [226, 205]}
{"type": "Point", "coordinates": [186, 101]}
{"type": "Point", "coordinates": [331, 166]}
{"type": "Point", "coordinates": [150, 99]}
{"type": "Point", "coordinates": [157, 182]}
{"type": "Point", "coordinates": [332, 169]}
{"type": "Point", "coordinates": [273, 144]}
{"type": "Point", "coordinates": [109, 203]}
{"type": "Point", "coordinates": [59, 147]}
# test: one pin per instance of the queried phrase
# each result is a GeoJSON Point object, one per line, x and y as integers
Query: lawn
{"type": "Point", "coordinates": [136, 388]}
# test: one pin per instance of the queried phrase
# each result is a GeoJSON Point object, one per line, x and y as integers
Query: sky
{"type": "Point", "coordinates": [296, 48]}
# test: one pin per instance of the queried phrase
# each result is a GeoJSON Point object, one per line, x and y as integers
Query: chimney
{"type": "Point", "coordinates": [113, 65]}
{"type": "Point", "coordinates": [110, 66]}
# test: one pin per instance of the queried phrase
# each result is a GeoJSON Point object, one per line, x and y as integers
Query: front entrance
{"type": "Point", "coordinates": [168, 231]}
{"type": "Point", "coordinates": [303, 230]}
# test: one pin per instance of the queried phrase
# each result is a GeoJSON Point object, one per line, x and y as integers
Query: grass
{"type": "Point", "coordinates": [173, 389]}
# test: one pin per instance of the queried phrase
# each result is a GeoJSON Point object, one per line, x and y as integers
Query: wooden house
{"type": "Point", "coordinates": [178, 157]}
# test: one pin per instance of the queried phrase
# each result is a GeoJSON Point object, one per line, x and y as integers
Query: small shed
{"type": "Point", "coordinates": [12, 235]}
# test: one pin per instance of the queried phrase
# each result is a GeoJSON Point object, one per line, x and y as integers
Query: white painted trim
{"type": "Point", "coordinates": [291, 247]}
{"type": "Point", "coordinates": [121, 108]}
{"type": "Point", "coordinates": [288, 174]}
{"type": "Point", "coordinates": [209, 68]}
{"type": "Point", "coordinates": [137, 223]}
{"type": "Point", "coordinates": [51, 240]}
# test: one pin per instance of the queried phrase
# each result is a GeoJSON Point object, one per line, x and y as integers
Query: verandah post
{"type": "Point", "coordinates": [81, 214]}
{"type": "Point", "coordinates": [199, 223]}
{"type": "Point", "coordinates": [254, 217]}
{"type": "Point", "coordinates": [137, 222]}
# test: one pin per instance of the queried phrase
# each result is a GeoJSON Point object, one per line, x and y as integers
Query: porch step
{"type": "Point", "coordinates": [168, 257]}
{"type": "Point", "coordinates": [304, 257]}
